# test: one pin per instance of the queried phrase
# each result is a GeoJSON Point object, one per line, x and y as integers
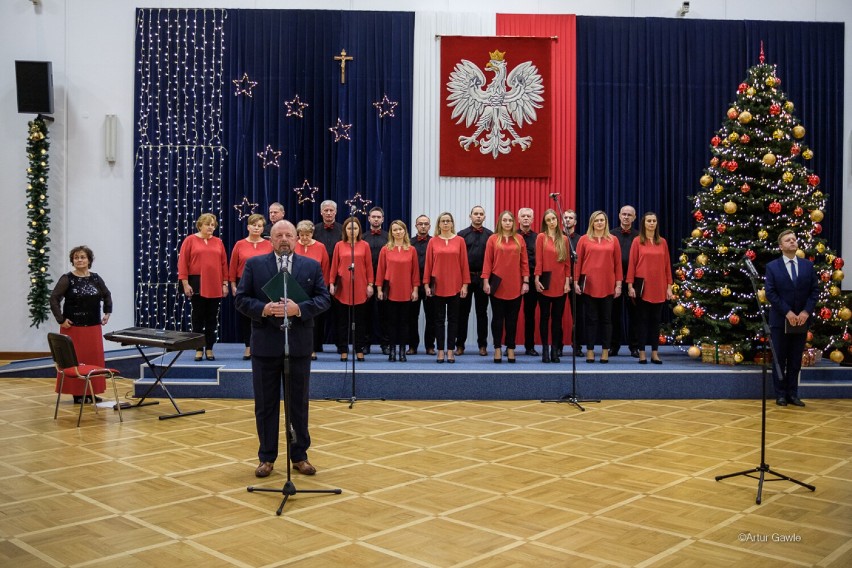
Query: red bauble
{"type": "Point", "coordinates": [699, 273]}
{"type": "Point", "coordinates": [706, 233]}
{"type": "Point", "coordinates": [847, 336]}
{"type": "Point", "coordinates": [777, 81]}
{"type": "Point", "coordinates": [733, 114]}
{"type": "Point", "coordinates": [817, 229]}
{"type": "Point", "coordinates": [698, 216]}
{"type": "Point", "coordinates": [721, 228]}
{"type": "Point", "coordinates": [715, 141]}
{"type": "Point", "coordinates": [825, 314]}
{"type": "Point", "coordinates": [825, 276]}
{"type": "Point", "coordinates": [798, 211]}
{"type": "Point", "coordinates": [662, 339]}
{"type": "Point", "coordinates": [775, 207]}
{"type": "Point", "coordinates": [698, 311]}
{"type": "Point", "coordinates": [732, 165]}
{"type": "Point", "coordinates": [774, 109]}
{"type": "Point", "coordinates": [742, 88]}
{"type": "Point", "coordinates": [750, 254]}
{"type": "Point", "coordinates": [726, 273]}
{"type": "Point", "coordinates": [838, 263]}
{"type": "Point", "coordinates": [813, 180]}
{"type": "Point", "coordinates": [680, 274]}
{"type": "Point", "coordinates": [795, 149]}
{"type": "Point", "coordinates": [734, 319]}
{"type": "Point", "coordinates": [745, 188]}
{"type": "Point", "coordinates": [745, 139]}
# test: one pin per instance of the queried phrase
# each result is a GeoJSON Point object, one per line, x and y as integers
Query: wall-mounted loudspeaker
{"type": "Point", "coordinates": [35, 86]}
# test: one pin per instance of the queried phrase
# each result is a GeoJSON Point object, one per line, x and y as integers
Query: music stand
{"type": "Point", "coordinates": [289, 488]}
{"type": "Point", "coordinates": [763, 468]}
{"type": "Point", "coordinates": [570, 398]}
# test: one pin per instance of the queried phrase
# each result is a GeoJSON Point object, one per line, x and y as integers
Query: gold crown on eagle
{"type": "Point", "coordinates": [496, 55]}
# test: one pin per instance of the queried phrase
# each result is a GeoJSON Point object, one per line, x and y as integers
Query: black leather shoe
{"type": "Point", "coordinates": [78, 400]}
{"type": "Point", "coordinates": [402, 356]}
{"type": "Point", "coordinates": [795, 401]}
{"type": "Point", "coordinates": [657, 361]}
{"type": "Point", "coordinates": [634, 353]}
{"type": "Point", "coordinates": [366, 350]}
{"type": "Point", "coordinates": [545, 355]}
{"type": "Point", "coordinates": [554, 355]}
{"type": "Point", "coordinates": [614, 352]}
{"type": "Point", "coordinates": [532, 352]}
{"type": "Point", "coordinates": [386, 350]}
{"type": "Point", "coordinates": [781, 401]}
{"type": "Point", "coordinates": [642, 361]}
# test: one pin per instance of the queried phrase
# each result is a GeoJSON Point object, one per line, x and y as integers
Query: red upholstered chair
{"type": "Point", "coordinates": [65, 359]}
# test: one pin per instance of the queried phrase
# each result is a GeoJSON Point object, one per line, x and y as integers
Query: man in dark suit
{"type": "Point", "coordinates": [276, 213]}
{"type": "Point", "coordinates": [475, 237]}
{"type": "Point", "coordinates": [530, 299]}
{"type": "Point", "coordinates": [376, 238]}
{"type": "Point", "coordinates": [420, 241]}
{"type": "Point", "coordinates": [329, 232]}
{"type": "Point", "coordinates": [268, 343]}
{"type": "Point", "coordinates": [623, 330]}
{"type": "Point", "coordinates": [792, 289]}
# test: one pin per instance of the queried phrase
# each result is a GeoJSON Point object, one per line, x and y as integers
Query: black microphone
{"type": "Point", "coordinates": [554, 195]}
{"type": "Point", "coordinates": [293, 438]}
{"type": "Point", "coordinates": [353, 210]}
{"type": "Point", "coordinates": [752, 270]}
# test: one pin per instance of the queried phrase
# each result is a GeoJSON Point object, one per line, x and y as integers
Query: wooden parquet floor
{"type": "Point", "coordinates": [429, 484]}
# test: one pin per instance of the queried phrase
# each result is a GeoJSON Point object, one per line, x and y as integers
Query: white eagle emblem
{"type": "Point", "coordinates": [506, 102]}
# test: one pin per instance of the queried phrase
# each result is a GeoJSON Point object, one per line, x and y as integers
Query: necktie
{"type": "Point", "coordinates": [793, 272]}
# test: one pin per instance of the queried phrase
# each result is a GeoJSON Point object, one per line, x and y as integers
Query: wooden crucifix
{"type": "Point", "coordinates": [343, 58]}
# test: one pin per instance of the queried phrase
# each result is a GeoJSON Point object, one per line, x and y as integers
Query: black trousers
{"type": "Point", "coordinates": [267, 374]}
{"type": "Point", "coordinates": [477, 298]}
{"type": "Point", "coordinates": [345, 334]}
{"type": "Point", "coordinates": [598, 321]}
{"type": "Point", "coordinates": [446, 313]}
{"type": "Point", "coordinates": [398, 314]}
{"type": "Point", "coordinates": [646, 323]}
{"type": "Point", "coordinates": [530, 301]}
{"type": "Point", "coordinates": [551, 312]}
{"type": "Point", "coordinates": [579, 320]}
{"type": "Point", "coordinates": [788, 348]}
{"type": "Point", "coordinates": [623, 328]}
{"type": "Point", "coordinates": [504, 315]}
{"type": "Point", "coordinates": [414, 321]}
{"type": "Point", "coordinates": [376, 318]}
{"type": "Point", "coordinates": [205, 315]}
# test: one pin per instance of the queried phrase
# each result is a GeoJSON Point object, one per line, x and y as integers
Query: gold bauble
{"type": "Point", "coordinates": [684, 331]}
{"type": "Point", "coordinates": [829, 258]}
{"type": "Point", "coordinates": [687, 294]}
{"type": "Point", "coordinates": [787, 177]}
{"type": "Point", "coordinates": [762, 234]}
{"type": "Point", "coordinates": [738, 357]}
{"type": "Point", "coordinates": [761, 295]}
{"type": "Point", "coordinates": [769, 159]}
{"type": "Point", "coordinates": [706, 180]}
{"type": "Point", "coordinates": [679, 310]}
{"type": "Point", "coordinates": [722, 249]}
{"type": "Point", "coordinates": [675, 288]}
{"type": "Point", "coordinates": [718, 188]}
{"type": "Point", "coordinates": [800, 253]}
{"type": "Point", "coordinates": [817, 194]}
{"type": "Point", "coordinates": [701, 259]}
{"type": "Point", "coordinates": [844, 313]}
{"type": "Point", "coordinates": [817, 216]}
{"type": "Point", "coordinates": [807, 154]}
{"type": "Point", "coordinates": [820, 248]}
{"type": "Point", "coordinates": [836, 356]}
{"type": "Point", "coordinates": [745, 117]}
{"type": "Point", "coordinates": [750, 91]}
{"type": "Point", "coordinates": [770, 81]}
{"type": "Point", "coordinates": [696, 233]}
{"type": "Point", "coordinates": [788, 106]}
{"type": "Point", "coordinates": [694, 352]}
{"type": "Point", "coordinates": [733, 136]}
{"type": "Point", "coordinates": [798, 131]}
{"type": "Point", "coordinates": [725, 292]}
{"type": "Point", "coordinates": [679, 338]}
{"type": "Point", "coordinates": [834, 291]}
{"type": "Point", "coordinates": [683, 259]}
{"type": "Point", "coordinates": [837, 275]}
{"type": "Point", "coordinates": [778, 134]}
{"type": "Point", "coordinates": [730, 207]}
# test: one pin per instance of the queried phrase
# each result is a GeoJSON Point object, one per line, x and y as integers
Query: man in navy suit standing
{"type": "Point", "coordinates": [267, 344]}
{"type": "Point", "coordinates": [792, 289]}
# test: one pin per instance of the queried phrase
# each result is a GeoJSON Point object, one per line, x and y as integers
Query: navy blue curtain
{"type": "Point", "coordinates": [651, 92]}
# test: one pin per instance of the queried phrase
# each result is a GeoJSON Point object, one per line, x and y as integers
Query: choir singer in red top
{"type": "Point", "coordinates": [505, 277]}
{"type": "Point", "coordinates": [597, 276]}
{"type": "Point", "coordinates": [552, 281]}
{"type": "Point", "coordinates": [397, 281]}
{"type": "Point", "coordinates": [308, 246]}
{"type": "Point", "coordinates": [351, 289]}
{"type": "Point", "coordinates": [446, 275]}
{"type": "Point", "coordinates": [649, 284]}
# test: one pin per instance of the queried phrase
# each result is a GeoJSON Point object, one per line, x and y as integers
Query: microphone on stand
{"type": "Point", "coordinates": [352, 211]}
{"type": "Point", "coordinates": [554, 195]}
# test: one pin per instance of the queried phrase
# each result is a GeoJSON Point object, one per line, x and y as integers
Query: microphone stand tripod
{"type": "Point", "coordinates": [352, 399]}
{"type": "Point", "coordinates": [289, 488]}
{"type": "Point", "coordinates": [570, 398]}
{"type": "Point", "coordinates": [763, 468]}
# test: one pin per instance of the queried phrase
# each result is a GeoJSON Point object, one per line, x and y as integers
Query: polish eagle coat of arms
{"type": "Point", "coordinates": [510, 100]}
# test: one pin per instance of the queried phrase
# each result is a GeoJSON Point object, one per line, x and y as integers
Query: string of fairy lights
{"type": "Point", "coordinates": [180, 158]}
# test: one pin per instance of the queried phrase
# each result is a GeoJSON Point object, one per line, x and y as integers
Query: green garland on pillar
{"type": "Point", "coordinates": [38, 222]}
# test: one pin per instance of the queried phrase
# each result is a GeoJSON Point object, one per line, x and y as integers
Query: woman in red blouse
{"type": "Point", "coordinates": [505, 277]}
{"type": "Point", "coordinates": [351, 250]}
{"type": "Point", "coordinates": [598, 276]}
{"type": "Point", "coordinates": [649, 283]}
{"type": "Point", "coordinates": [552, 281]}
{"type": "Point", "coordinates": [312, 248]}
{"type": "Point", "coordinates": [203, 271]}
{"type": "Point", "coordinates": [446, 275]}
{"type": "Point", "coordinates": [253, 245]}
{"type": "Point", "coordinates": [397, 280]}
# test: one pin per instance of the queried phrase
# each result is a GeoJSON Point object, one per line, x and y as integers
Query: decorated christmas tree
{"type": "Point", "coordinates": [756, 185]}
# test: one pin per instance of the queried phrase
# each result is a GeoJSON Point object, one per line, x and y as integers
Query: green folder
{"type": "Point", "coordinates": [274, 289]}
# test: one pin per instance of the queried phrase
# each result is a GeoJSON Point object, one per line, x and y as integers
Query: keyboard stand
{"type": "Point", "coordinates": [159, 381]}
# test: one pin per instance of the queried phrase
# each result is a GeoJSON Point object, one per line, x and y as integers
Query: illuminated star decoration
{"type": "Point", "coordinates": [358, 204]}
{"type": "Point", "coordinates": [385, 107]}
{"type": "Point", "coordinates": [340, 130]}
{"type": "Point", "coordinates": [244, 85]}
{"type": "Point", "coordinates": [269, 156]}
{"type": "Point", "coordinates": [306, 192]}
{"type": "Point", "coordinates": [245, 208]}
{"type": "Point", "coordinates": [295, 107]}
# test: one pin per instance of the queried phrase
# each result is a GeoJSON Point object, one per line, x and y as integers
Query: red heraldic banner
{"type": "Point", "coordinates": [495, 107]}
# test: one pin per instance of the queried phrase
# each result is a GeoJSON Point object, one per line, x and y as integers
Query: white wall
{"type": "Point", "coordinates": [91, 43]}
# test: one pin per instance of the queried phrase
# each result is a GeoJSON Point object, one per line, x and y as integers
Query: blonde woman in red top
{"type": "Point", "coordinates": [505, 277]}
{"type": "Point", "coordinates": [649, 284]}
{"type": "Point", "coordinates": [397, 282]}
{"type": "Point", "coordinates": [446, 276]}
{"type": "Point", "coordinates": [253, 245]}
{"type": "Point", "coordinates": [312, 248]}
{"type": "Point", "coordinates": [598, 276]}
{"type": "Point", "coordinates": [552, 282]}
{"type": "Point", "coordinates": [203, 271]}
{"type": "Point", "coordinates": [351, 250]}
